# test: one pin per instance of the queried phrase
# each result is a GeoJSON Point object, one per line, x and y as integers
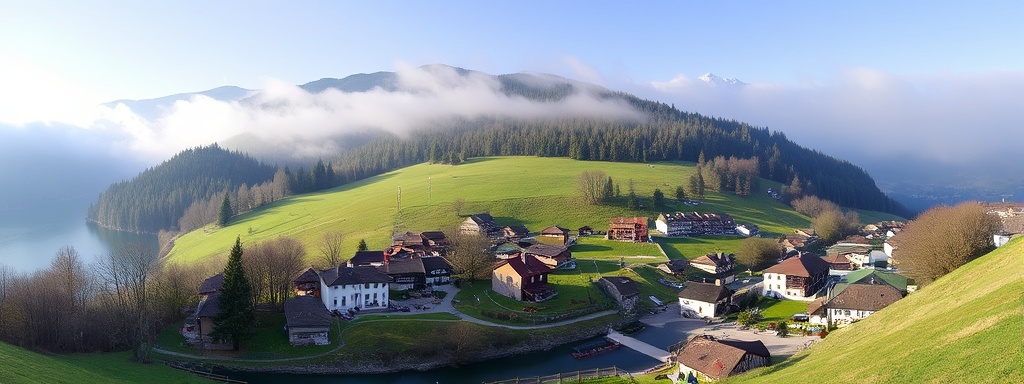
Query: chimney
{"type": "Point", "coordinates": [718, 282]}
{"type": "Point", "coordinates": [522, 256]}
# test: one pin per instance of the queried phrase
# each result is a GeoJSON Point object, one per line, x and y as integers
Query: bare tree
{"type": "Point", "coordinates": [125, 273]}
{"type": "Point", "coordinates": [174, 288]}
{"type": "Point", "coordinates": [944, 238]}
{"type": "Point", "coordinates": [590, 186]}
{"type": "Point", "coordinates": [457, 206]}
{"type": "Point", "coordinates": [271, 267]}
{"type": "Point", "coordinates": [469, 255]}
{"type": "Point", "coordinates": [73, 285]}
{"type": "Point", "coordinates": [330, 249]}
{"type": "Point", "coordinates": [758, 253]}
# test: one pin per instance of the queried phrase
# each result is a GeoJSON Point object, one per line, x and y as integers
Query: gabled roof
{"type": "Point", "coordinates": [309, 276]}
{"type": "Point", "coordinates": [866, 276]}
{"type": "Point", "coordinates": [677, 265]}
{"type": "Point", "coordinates": [434, 235]}
{"type": "Point", "coordinates": [628, 220]}
{"type": "Point", "coordinates": [432, 263]}
{"type": "Point", "coordinates": [408, 238]}
{"type": "Point", "coordinates": [836, 259]}
{"type": "Point", "coordinates": [545, 250]}
{"type": "Point", "coordinates": [367, 258]}
{"type": "Point", "coordinates": [804, 265]}
{"type": "Point", "coordinates": [624, 285]}
{"type": "Point", "coordinates": [865, 297]}
{"type": "Point", "coordinates": [211, 284]}
{"type": "Point", "coordinates": [518, 230]}
{"type": "Point", "coordinates": [555, 230]}
{"type": "Point", "coordinates": [209, 307]}
{"type": "Point", "coordinates": [718, 358]}
{"type": "Point", "coordinates": [345, 275]}
{"type": "Point", "coordinates": [482, 218]}
{"type": "Point", "coordinates": [715, 259]}
{"type": "Point", "coordinates": [402, 266]}
{"type": "Point", "coordinates": [816, 306]}
{"type": "Point", "coordinates": [708, 293]}
{"type": "Point", "coordinates": [306, 311]}
{"type": "Point", "coordinates": [532, 266]}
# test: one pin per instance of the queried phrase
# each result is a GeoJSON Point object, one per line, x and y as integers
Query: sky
{"type": "Point", "coordinates": [867, 81]}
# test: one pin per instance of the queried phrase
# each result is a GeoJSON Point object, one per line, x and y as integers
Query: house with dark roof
{"type": "Point", "coordinates": [623, 289]}
{"type": "Point", "coordinates": [367, 258]}
{"type": "Point", "coordinates": [859, 301]}
{"type": "Point", "coordinates": [552, 255]}
{"type": "Point", "coordinates": [197, 328]}
{"type": "Point", "coordinates": [720, 265]}
{"type": "Point", "coordinates": [674, 267]}
{"type": "Point", "coordinates": [838, 262]}
{"type": "Point", "coordinates": [796, 278]}
{"type": "Point", "coordinates": [709, 359]}
{"type": "Point", "coordinates": [362, 287]}
{"type": "Point", "coordinates": [515, 232]}
{"type": "Point", "coordinates": [307, 321]}
{"type": "Point", "coordinates": [523, 278]}
{"type": "Point", "coordinates": [438, 270]}
{"type": "Point", "coordinates": [481, 223]}
{"type": "Point", "coordinates": [406, 272]}
{"type": "Point", "coordinates": [437, 241]}
{"type": "Point", "coordinates": [307, 284]}
{"type": "Point", "coordinates": [703, 299]}
{"type": "Point", "coordinates": [561, 235]}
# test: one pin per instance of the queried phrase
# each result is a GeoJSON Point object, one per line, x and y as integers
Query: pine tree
{"type": "Point", "coordinates": [680, 193]}
{"type": "Point", "coordinates": [362, 244]}
{"type": "Point", "coordinates": [237, 315]}
{"type": "Point", "coordinates": [225, 211]}
{"type": "Point", "coordinates": [659, 198]}
{"type": "Point", "coordinates": [609, 189]}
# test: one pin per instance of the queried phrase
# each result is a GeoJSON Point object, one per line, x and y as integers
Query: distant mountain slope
{"type": "Point", "coordinates": [968, 326]}
{"type": "Point", "coordinates": [153, 108]}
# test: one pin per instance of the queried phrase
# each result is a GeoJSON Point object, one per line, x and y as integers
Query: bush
{"type": "Point", "coordinates": [782, 328]}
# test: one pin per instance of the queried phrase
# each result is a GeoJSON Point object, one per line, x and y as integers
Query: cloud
{"type": "Point", "coordinates": [864, 114]}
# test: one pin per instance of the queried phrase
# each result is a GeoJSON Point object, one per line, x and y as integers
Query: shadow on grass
{"type": "Point", "coordinates": [590, 248]}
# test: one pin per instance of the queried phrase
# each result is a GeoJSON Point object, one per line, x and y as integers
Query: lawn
{"type": "Point", "coordinates": [646, 278]}
{"type": "Point", "coordinates": [20, 365]}
{"type": "Point", "coordinates": [690, 248]}
{"type": "Point", "coordinates": [777, 310]}
{"type": "Point", "coordinates": [507, 187]}
{"type": "Point", "coordinates": [270, 342]}
{"type": "Point", "coordinates": [598, 248]}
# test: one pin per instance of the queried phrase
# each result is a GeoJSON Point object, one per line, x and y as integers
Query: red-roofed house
{"type": "Point", "coordinates": [628, 228]}
{"type": "Point", "coordinates": [711, 359]}
{"type": "Point", "coordinates": [523, 278]}
{"type": "Point", "coordinates": [795, 278]}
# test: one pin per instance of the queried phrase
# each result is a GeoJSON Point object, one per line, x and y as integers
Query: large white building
{"type": "Point", "coordinates": [693, 223]}
{"type": "Point", "coordinates": [345, 288]}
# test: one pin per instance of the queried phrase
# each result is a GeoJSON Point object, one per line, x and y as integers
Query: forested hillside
{"type": "Point", "coordinates": [159, 196]}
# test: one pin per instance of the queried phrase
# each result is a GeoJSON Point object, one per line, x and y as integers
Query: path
{"type": "Point", "coordinates": [640, 346]}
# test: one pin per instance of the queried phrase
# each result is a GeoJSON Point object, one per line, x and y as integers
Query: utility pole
{"type": "Point", "coordinates": [428, 190]}
{"type": "Point", "coordinates": [399, 199]}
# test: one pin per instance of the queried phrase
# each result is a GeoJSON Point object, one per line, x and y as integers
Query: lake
{"type": "Point", "coordinates": [31, 236]}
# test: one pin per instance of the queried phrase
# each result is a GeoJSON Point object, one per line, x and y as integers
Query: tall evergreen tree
{"type": "Point", "coordinates": [362, 245]}
{"type": "Point", "coordinates": [609, 189]}
{"type": "Point", "coordinates": [237, 315]}
{"type": "Point", "coordinates": [659, 198]}
{"type": "Point", "coordinates": [225, 211]}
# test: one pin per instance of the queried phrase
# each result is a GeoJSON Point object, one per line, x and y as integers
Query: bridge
{"type": "Point", "coordinates": [640, 346]}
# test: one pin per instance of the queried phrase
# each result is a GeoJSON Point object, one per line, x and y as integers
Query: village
{"type": "Point", "coordinates": [725, 319]}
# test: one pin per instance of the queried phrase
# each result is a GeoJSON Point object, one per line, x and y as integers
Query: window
{"type": "Point", "coordinates": [366, 286]}
{"type": "Point", "coordinates": [374, 297]}
{"type": "Point", "coordinates": [336, 302]}
{"type": "Point", "coordinates": [368, 298]}
{"type": "Point", "coordinates": [342, 302]}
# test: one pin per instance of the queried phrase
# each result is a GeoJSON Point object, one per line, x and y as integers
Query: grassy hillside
{"type": "Point", "coordinates": [532, 191]}
{"type": "Point", "coordinates": [23, 366]}
{"type": "Point", "coordinates": [965, 327]}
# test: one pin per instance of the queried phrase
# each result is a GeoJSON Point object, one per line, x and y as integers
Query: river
{"type": "Point", "coordinates": [31, 236]}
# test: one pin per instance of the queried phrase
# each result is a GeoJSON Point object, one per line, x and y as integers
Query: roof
{"type": "Point", "coordinates": [555, 230]}
{"type": "Point", "coordinates": [434, 235]}
{"type": "Point", "coordinates": [866, 297]}
{"type": "Point", "coordinates": [693, 216]}
{"type": "Point", "coordinates": [629, 220]}
{"type": "Point", "coordinates": [407, 238]}
{"type": "Point", "coordinates": [518, 230]}
{"type": "Point", "coordinates": [345, 275]}
{"type": "Point", "coordinates": [309, 276]}
{"type": "Point", "coordinates": [855, 239]}
{"type": "Point", "coordinates": [482, 218]}
{"type": "Point", "coordinates": [367, 257]}
{"type": "Point", "coordinates": [836, 259]}
{"type": "Point", "coordinates": [815, 306]}
{"type": "Point", "coordinates": [677, 265]}
{"type": "Point", "coordinates": [531, 267]}
{"type": "Point", "coordinates": [804, 265]}
{"type": "Point", "coordinates": [209, 307]}
{"type": "Point", "coordinates": [402, 266]}
{"type": "Point", "coordinates": [865, 276]}
{"type": "Point", "coordinates": [715, 259]}
{"type": "Point", "coordinates": [718, 358]}
{"type": "Point", "coordinates": [211, 284]}
{"type": "Point", "coordinates": [545, 250]}
{"type": "Point", "coordinates": [708, 293]}
{"type": "Point", "coordinates": [624, 285]}
{"type": "Point", "coordinates": [306, 311]}
{"type": "Point", "coordinates": [435, 262]}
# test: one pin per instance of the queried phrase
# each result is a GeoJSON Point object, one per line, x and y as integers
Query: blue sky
{"type": "Point", "coordinates": [132, 49]}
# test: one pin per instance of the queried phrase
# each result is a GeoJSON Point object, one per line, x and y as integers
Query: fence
{"type": "Point", "coordinates": [567, 377]}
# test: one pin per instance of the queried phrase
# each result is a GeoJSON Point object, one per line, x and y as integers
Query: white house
{"type": "Point", "coordinates": [345, 288]}
{"type": "Point", "coordinates": [705, 300]}
{"type": "Point", "coordinates": [748, 230]}
{"type": "Point", "coordinates": [796, 278]}
{"type": "Point", "coordinates": [867, 260]}
{"type": "Point", "coordinates": [859, 301]}
{"type": "Point", "coordinates": [1000, 239]}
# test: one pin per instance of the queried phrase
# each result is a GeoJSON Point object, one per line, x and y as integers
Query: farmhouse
{"type": "Point", "coordinates": [838, 262]}
{"type": "Point", "coordinates": [367, 258]}
{"type": "Point", "coordinates": [307, 284]}
{"type": "Point", "coordinates": [720, 265]}
{"type": "Point", "coordinates": [438, 270]}
{"type": "Point", "coordinates": [622, 289]}
{"type": "Point", "coordinates": [556, 232]}
{"type": "Point", "coordinates": [198, 327]}
{"type": "Point", "coordinates": [795, 278]}
{"type": "Point", "coordinates": [693, 223]}
{"type": "Point", "coordinates": [628, 228]}
{"type": "Point", "coordinates": [435, 240]}
{"type": "Point", "coordinates": [710, 359]}
{"type": "Point", "coordinates": [307, 321]}
{"type": "Point", "coordinates": [481, 224]}
{"type": "Point", "coordinates": [551, 255]}
{"type": "Point", "coordinates": [522, 278]}
{"type": "Point", "coordinates": [703, 300]}
{"type": "Point", "coordinates": [405, 272]}
{"type": "Point", "coordinates": [674, 267]}
{"type": "Point", "coordinates": [515, 232]}
{"type": "Point", "coordinates": [860, 300]}
{"type": "Point", "coordinates": [345, 288]}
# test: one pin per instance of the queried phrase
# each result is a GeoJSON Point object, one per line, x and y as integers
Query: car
{"type": "Point", "coordinates": [801, 317]}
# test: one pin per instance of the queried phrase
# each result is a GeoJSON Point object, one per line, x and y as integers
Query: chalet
{"type": "Point", "coordinates": [748, 230]}
{"type": "Point", "coordinates": [551, 255]}
{"type": "Point", "coordinates": [408, 240]}
{"type": "Point", "coordinates": [307, 284]}
{"type": "Point", "coordinates": [628, 228]}
{"type": "Point", "coordinates": [523, 278]}
{"type": "Point", "coordinates": [703, 300]}
{"type": "Point", "coordinates": [435, 240]}
{"type": "Point", "coordinates": [623, 289]}
{"type": "Point", "coordinates": [720, 265]}
{"type": "Point", "coordinates": [695, 224]}
{"type": "Point", "coordinates": [481, 224]}
{"type": "Point", "coordinates": [507, 251]}
{"type": "Point", "coordinates": [556, 232]}
{"type": "Point", "coordinates": [438, 270]}
{"type": "Point", "coordinates": [838, 262]}
{"type": "Point", "coordinates": [585, 231]}
{"type": "Point", "coordinates": [860, 300]}
{"type": "Point", "coordinates": [197, 328]}
{"type": "Point", "coordinates": [367, 258]}
{"type": "Point", "coordinates": [360, 287]}
{"type": "Point", "coordinates": [706, 358]}
{"type": "Point", "coordinates": [307, 321]}
{"type": "Point", "coordinates": [515, 232]}
{"type": "Point", "coordinates": [795, 278]}
{"type": "Point", "coordinates": [405, 272]}
{"type": "Point", "coordinates": [674, 267]}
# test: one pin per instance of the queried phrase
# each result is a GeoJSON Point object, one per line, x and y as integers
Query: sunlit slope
{"type": "Point", "coordinates": [966, 327]}
{"type": "Point", "coordinates": [19, 365]}
{"type": "Point", "coordinates": [533, 191]}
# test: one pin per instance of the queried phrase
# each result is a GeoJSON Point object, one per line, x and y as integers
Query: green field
{"type": "Point", "coordinates": [532, 191]}
{"type": "Point", "coordinates": [19, 365]}
{"type": "Point", "coordinates": [964, 327]}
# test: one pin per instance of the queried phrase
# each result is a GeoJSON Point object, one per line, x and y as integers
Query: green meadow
{"type": "Point", "coordinates": [532, 191]}
{"type": "Point", "coordinates": [19, 365]}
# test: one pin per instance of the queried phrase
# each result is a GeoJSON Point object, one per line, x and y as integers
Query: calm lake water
{"type": "Point", "coordinates": [31, 236]}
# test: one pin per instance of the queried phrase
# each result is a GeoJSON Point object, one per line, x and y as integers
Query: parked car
{"type": "Point", "coordinates": [801, 317]}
